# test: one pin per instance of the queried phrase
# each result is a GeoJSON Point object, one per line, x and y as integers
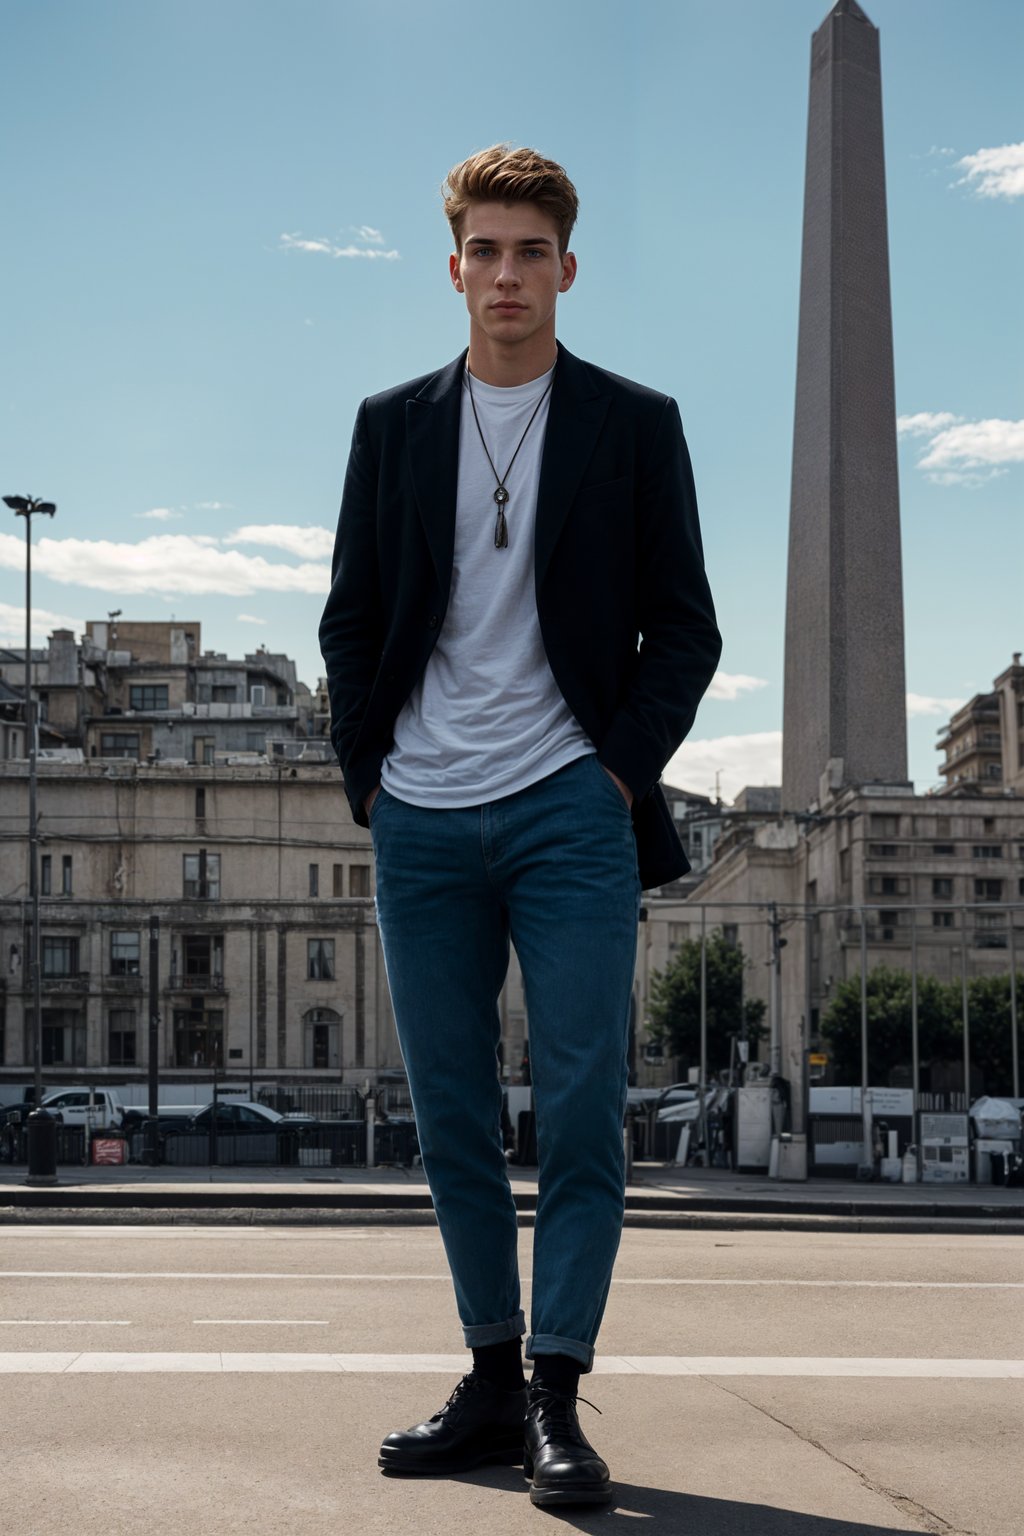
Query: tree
{"type": "Point", "coordinates": [988, 1004]}
{"type": "Point", "coordinates": [889, 1024]}
{"type": "Point", "coordinates": [940, 1026]}
{"type": "Point", "coordinates": [675, 1002]}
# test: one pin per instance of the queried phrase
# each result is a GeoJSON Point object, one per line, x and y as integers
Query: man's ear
{"type": "Point", "coordinates": [568, 272]}
{"type": "Point", "coordinates": [453, 272]}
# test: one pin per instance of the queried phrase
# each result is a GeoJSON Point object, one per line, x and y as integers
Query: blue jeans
{"type": "Point", "coordinates": [554, 869]}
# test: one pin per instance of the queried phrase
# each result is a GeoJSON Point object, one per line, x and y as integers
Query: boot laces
{"type": "Point", "coordinates": [559, 1405]}
{"type": "Point", "coordinates": [466, 1385]}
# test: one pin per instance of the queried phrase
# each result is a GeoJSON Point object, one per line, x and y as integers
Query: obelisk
{"type": "Point", "coordinates": [844, 707]}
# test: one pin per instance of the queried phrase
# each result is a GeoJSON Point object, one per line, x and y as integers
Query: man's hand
{"type": "Point", "coordinates": [624, 789]}
{"type": "Point", "coordinates": [368, 802]}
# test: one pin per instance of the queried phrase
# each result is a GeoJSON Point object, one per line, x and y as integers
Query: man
{"type": "Point", "coordinates": [510, 528]}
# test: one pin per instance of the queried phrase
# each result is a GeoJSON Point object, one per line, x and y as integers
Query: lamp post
{"type": "Point", "coordinates": [27, 507]}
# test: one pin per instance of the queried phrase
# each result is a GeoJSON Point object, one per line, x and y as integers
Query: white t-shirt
{"type": "Point", "coordinates": [487, 718]}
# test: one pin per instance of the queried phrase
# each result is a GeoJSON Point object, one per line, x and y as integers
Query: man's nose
{"type": "Point", "coordinates": [508, 275]}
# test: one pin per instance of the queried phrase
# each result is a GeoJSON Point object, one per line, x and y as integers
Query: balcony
{"type": "Point", "coordinates": [194, 983]}
{"type": "Point", "coordinates": [122, 984]}
{"type": "Point", "coordinates": [77, 981]}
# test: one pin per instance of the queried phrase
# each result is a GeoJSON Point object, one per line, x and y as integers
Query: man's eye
{"type": "Point", "coordinates": [482, 250]}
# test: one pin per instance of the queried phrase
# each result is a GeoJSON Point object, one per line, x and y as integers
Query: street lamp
{"type": "Point", "coordinates": [27, 507]}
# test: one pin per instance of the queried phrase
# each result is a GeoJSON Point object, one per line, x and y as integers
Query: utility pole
{"type": "Point", "coordinates": [27, 507]}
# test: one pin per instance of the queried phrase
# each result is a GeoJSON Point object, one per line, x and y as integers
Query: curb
{"type": "Point", "coordinates": [44, 1214]}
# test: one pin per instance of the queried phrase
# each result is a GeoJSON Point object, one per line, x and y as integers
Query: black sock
{"type": "Point", "coordinates": [501, 1364]}
{"type": "Point", "coordinates": [560, 1372]}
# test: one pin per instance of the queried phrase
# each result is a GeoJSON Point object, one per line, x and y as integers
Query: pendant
{"type": "Point", "coordinates": [500, 526]}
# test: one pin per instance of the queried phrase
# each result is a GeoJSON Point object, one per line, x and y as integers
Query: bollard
{"type": "Point", "coordinates": [371, 1124]}
{"type": "Point", "coordinates": [151, 1141]}
{"type": "Point", "coordinates": [42, 1148]}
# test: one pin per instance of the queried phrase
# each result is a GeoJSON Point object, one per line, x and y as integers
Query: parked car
{"type": "Point", "coordinates": [100, 1109]}
{"type": "Point", "coordinates": [243, 1117]}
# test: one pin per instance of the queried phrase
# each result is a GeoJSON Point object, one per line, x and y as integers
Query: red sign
{"type": "Point", "coordinates": [108, 1150]}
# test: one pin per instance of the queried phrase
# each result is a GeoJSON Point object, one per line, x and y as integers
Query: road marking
{"type": "Point", "coordinates": [92, 1362]}
{"type": "Point", "coordinates": [62, 1322]}
{"type": "Point", "coordinates": [243, 1274]}
{"type": "Point", "coordinates": [259, 1322]}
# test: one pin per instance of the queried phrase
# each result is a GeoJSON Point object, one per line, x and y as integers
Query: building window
{"type": "Point", "coordinates": [125, 952]}
{"type": "Point", "coordinates": [147, 696]}
{"type": "Point", "coordinates": [202, 876]}
{"type": "Point", "coordinates": [63, 1037]}
{"type": "Point", "coordinates": [993, 771]}
{"type": "Point", "coordinates": [119, 744]}
{"type": "Point", "coordinates": [203, 748]}
{"type": "Point", "coordinates": [224, 693]}
{"type": "Point", "coordinates": [202, 959]}
{"type": "Point", "coordinates": [314, 879]}
{"type": "Point", "coordinates": [988, 824]}
{"type": "Point", "coordinates": [988, 890]}
{"type": "Point", "coordinates": [339, 879]}
{"type": "Point", "coordinates": [889, 886]}
{"type": "Point", "coordinates": [121, 1038]}
{"type": "Point", "coordinates": [201, 803]}
{"type": "Point", "coordinates": [198, 1036]}
{"type": "Point", "coordinates": [322, 1039]}
{"type": "Point", "coordinates": [987, 851]}
{"type": "Point", "coordinates": [844, 865]}
{"type": "Point", "coordinates": [321, 960]}
{"type": "Point", "coordinates": [885, 826]}
{"type": "Point", "coordinates": [943, 920]}
{"type": "Point", "coordinates": [59, 956]}
{"type": "Point", "coordinates": [46, 875]}
{"type": "Point", "coordinates": [678, 933]}
{"type": "Point", "coordinates": [943, 826]}
{"type": "Point", "coordinates": [943, 888]}
{"type": "Point", "coordinates": [258, 695]}
{"type": "Point", "coordinates": [359, 880]}
{"type": "Point", "coordinates": [65, 875]}
{"type": "Point", "coordinates": [882, 850]}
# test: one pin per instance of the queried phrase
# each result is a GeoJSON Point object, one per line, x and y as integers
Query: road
{"type": "Point", "coordinates": [750, 1384]}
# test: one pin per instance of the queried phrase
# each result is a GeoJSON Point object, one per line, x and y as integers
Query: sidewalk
{"type": "Point", "coordinates": [658, 1195]}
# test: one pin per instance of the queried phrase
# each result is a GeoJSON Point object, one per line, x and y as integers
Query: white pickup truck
{"type": "Point", "coordinates": [100, 1108]}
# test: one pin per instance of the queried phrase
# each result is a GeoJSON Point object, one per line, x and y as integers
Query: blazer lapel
{"type": "Point", "coordinates": [432, 432]}
{"type": "Point", "coordinates": [575, 417]}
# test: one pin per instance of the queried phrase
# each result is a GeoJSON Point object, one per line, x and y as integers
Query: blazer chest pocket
{"type": "Point", "coordinates": [605, 492]}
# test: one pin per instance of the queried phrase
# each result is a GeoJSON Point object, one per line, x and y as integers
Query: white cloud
{"type": "Point", "coordinates": [738, 760]}
{"type": "Point", "coordinates": [12, 625]}
{"type": "Point", "coordinates": [180, 564]}
{"type": "Point", "coordinates": [960, 452]}
{"type": "Point", "coordinates": [248, 618]}
{"type": "Point", "coordinates": [159, 514]}
{"type": "Point", "coordinates": [370, 235]}
{"type": "Point", "coordinates": [974, 445]}
{"type": "Point", "coordinates": [729, 685]}
{"type": "Point", "coordinates": [922, 704]}
{"type": "Point", "coordinates": [994, 172]}
{"type": "Point", "coordinates": [313, 542]}
{"type": "Point", "coordinates": [374, 252]}
{"type": "Point", "coordinates": [214, 506]}
{"type": "Point", "coordinates": [925, 423]}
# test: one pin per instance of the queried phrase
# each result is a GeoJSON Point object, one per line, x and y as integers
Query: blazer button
{"type": "Point", "coordinates": [432, 621]}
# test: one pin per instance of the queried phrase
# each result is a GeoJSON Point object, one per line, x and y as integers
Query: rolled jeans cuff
{"type": "Point", "coordinates": [551, 1344]}
{"type": "Point", "coordinates": [494, 1333]}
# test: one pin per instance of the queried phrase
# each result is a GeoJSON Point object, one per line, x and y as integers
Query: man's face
{"type": "Point", "coordinates": [510, 270]}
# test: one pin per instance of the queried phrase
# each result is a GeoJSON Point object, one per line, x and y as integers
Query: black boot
{"type": "Point", "coordinates": [563, 1465]}
{"type": "Point", "coordinates": [479, 1422]}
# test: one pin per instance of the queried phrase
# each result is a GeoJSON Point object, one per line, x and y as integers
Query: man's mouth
{"type": "Point", "coordinates": [507, 304]}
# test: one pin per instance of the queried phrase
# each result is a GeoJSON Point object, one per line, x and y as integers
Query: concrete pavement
{"type": "Point", "coordinates": [186, 1386]}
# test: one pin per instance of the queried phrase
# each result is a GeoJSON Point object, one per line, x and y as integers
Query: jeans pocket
{"type": "Point", "coordinates": [611, 785]}
{"type": "Point", "coordinates": [378, 798]}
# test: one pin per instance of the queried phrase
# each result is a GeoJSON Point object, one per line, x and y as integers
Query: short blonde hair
{"type": "Point", "coordinates": [502, 174]}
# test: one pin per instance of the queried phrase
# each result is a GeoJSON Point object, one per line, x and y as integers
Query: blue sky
{"type": "Point", "coordinates": [223, 229]}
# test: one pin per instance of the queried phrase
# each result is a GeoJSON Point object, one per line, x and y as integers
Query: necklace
{"type": "Point", "coordinates": [500, 493]}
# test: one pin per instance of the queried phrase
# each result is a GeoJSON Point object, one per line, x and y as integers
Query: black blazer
{"type": "Point", "coordinates": [618, 557]}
